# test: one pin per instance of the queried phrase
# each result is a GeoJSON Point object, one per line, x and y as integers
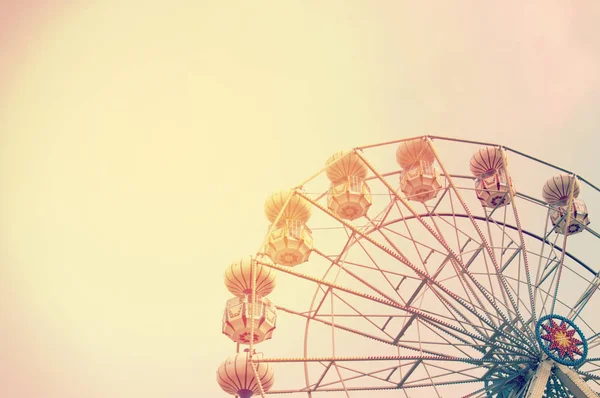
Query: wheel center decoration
{"type": "Point", "coordinates": [561, 340]}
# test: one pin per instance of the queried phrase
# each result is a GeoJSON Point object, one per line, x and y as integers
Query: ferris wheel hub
{"type": "Point", "coordinates": [561, 340]}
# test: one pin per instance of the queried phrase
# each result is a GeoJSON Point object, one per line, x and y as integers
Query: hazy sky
{"type": "Point", "coordinates": [139, 140]}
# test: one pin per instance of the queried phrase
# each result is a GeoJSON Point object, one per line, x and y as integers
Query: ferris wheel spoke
{"type": "Point", "coordinates": [585, 298]}
{"type": "Point", "coordinates": [431, 250]}
{"type": "Point", "coordinates": [544, 242]}
{"type": "Point", "coordinates": [359, 313]}
{"type": "Point", "coordinates": [479, 393]}
{"type": "Point", "coordinates": [424, 287]}
{"type": "Point", "coordinates": [510, 346]}
{"type": "Point", "coordinates": [595, 362]}
{"type": "Point", "coordinates": [454, 222]}
{"type": "Point", "coordinates": [480, 249]}
{"type": "Point", "coordinates": [333, 261]}
{"type": "Point", "coordinates": [531, 320]}
{"type": "Point", "coordinates": [429, 318]}
{"type": "Point", "coordinates": [504, 294]}
{"type": "Point", "coordinates": [371, 388]}
{"type": "Point", "coordinates": [442, 217]}
{"type": "Point", "coordinates": [551, 268]}
{"type": "Point", "coordinates": [375, 266]}
{"type": "Point", "coordinates": [357, 332]}
{"type": "Point", "coordinates": [549, 271]}
{"type": "Point", "coordinates": [564, 247]}
{"type": "Point", "coordinates": [432, 318]}
{"type": "Point", "coordinates": [489, 250]}
{"type": "Point", "coordinates": [403, 276]}
{"type": "Point", "coordinates": [523, 247]}
{"type": "Point", "coordinates": [376, 225]}
{"type": "Point", "coordinates": [405, 261]}
{"type": "Point", "coordinates": [377, 221]}
{"type": "Point", "coordinates": [519, 342]}
{"type": "Point", "coordinates": [439, 384]}
{"type": "Point", "coordinates": [363, 334]}
{"type": "Point", "coordinates": [442, 242]}
{"type": "Point", "coordinates": [410, 237]}
{"type": "Point", "coordinates": [559, 301]}
{"type": "Point", "coordinates": [466, 286]}
{"type": "Point", "coordinates": [447, 370]}
{"type": "Point", "coordinates": [431, 209]}
{"type": "Point", "coordinates": [463, 250]}
{"type": "Point", "coordinates": [594, 340]}
{"type": "Point", "coordinates": [518, 281]}
{"type": "Point", "coordinates": [510, 343]}
{"type": "Point", "coordinates": [327, 367]}
{"type": "Point", "coordinates": [436, 320]}
{"type": "Point", "coordinates": [434, 277]}
{"type": "Point", "coordinates": [370, 376]}
{"type": "Point", "coordinates": [589, 375]}
{"type": "Point", "coordinates": [497, 348]}
{"type": "Point", "coordinates": [469, 292]}
{"type": "Point", "coordinates": [435, 329]}
{"type": "Point", "coordinates": [489, 221]}
{"type": "Point", "coordinates": [480, 316]}
{"type": "Point", "coordinates": [548, 292]}
{"type": "Point", "coordinates": [516, 339]}
{"type": "Point", "coordinates": [458, 347]}
{"type": "Point", "coordinates": [453, 311]}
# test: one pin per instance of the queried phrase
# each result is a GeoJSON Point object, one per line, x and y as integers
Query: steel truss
{"type": "Point", "coordinates": [441, 296]}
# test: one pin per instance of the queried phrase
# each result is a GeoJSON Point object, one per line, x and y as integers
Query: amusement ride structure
{"type": "Point", "coordinates": [422, 274]}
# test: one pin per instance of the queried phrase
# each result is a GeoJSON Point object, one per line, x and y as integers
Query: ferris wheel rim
{"type": "Point", "coordinates": [473, 142]}
{"type": "Point", "coordinates": [473, 217]}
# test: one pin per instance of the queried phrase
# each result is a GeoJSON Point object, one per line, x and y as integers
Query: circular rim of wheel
{"type": "Point", "coordinates": [536, 349]}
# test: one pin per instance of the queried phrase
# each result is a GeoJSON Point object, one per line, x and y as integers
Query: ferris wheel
{"type": "Point", "coordinates": [432, 267]}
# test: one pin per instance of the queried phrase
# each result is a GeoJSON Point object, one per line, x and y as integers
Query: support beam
{"type": "Point", "coordinates": [574, 382]}
{"type": "Point", "coordinates": [540, 379]}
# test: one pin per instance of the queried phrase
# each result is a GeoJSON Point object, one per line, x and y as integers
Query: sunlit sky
{"type": "Point", "coordinates": [139, 140]}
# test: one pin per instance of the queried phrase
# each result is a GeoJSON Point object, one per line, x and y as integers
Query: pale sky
{"type": "Point", "coordinates": [139, 141]}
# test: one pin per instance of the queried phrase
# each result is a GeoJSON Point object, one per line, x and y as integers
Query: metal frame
{"type": "Point", "coordinates": [488, 292]}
